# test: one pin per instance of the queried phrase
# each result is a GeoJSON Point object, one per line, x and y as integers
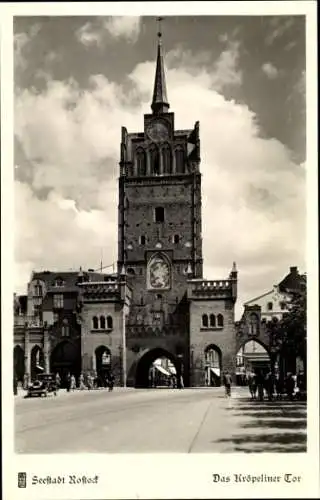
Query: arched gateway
{"type": "Point", "coordinates": [140, 370]}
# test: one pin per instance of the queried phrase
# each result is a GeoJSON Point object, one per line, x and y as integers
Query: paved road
{"type": "Point", "coordinates": [161, 420]}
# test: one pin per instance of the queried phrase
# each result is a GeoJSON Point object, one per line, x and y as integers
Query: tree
{"type": "Point", "coordinates": [288, 335]}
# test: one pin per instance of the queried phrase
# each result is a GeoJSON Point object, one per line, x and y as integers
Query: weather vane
{"type": "Point", "coordinates": [159, 19]}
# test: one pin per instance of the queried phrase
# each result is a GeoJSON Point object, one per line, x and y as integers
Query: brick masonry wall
{"type": "Point", "coordinates": [92, 339]}
{"type": "Point", "coordinates": [200, 338]}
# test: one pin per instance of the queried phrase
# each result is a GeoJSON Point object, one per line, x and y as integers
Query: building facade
{"type": "Point", "coordinates": [253, 337]}
{"type": "Point", "coordinates": [158, 304]}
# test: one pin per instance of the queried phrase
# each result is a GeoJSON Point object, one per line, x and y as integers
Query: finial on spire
{"type": "Point", "coordinates": [159, 19]}
{"type": "Point", "coordinates": [160, 100]}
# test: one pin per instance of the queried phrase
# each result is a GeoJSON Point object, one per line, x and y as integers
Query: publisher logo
{"type": "Point", "coordinates": [22, 480]}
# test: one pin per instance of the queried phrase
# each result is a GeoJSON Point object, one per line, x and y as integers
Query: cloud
{"type": "Point", "coordinates": [89, 35]}
{"type": "Point", "coordinates": [222, 72]}
{"type": "Point", "coordinates": [21, 43]}
{"type": "Point", "coordinates": [119, 27]}
{"type": "Point", "coordinates": [270, 70]}
{"type": "Point", "coordinates": [127, 27]}
{"type": "Point", "coordinates": [279, 25]}
{"type": "Point", "coordinates": [253, 193]}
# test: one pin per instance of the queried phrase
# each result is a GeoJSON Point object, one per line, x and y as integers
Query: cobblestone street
{"type": "Point", "coordinates": [163, 420]}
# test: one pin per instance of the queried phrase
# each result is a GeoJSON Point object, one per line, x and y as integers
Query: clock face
{"type": "Point", "coordinates": [157, 131]}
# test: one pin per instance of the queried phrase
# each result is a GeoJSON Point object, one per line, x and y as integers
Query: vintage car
{"type": "Point", "coordinates": [44, 385]}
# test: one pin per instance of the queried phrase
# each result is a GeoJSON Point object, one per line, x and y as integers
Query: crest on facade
{"type": "Point", "coordinates": [159, 272]}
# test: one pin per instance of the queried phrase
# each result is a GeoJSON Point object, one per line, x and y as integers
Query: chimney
{"type": "Point", "coordinates": [294, 270]}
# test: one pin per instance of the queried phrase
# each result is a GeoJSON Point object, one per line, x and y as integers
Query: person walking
{"type": "Point", "coordinates": [81, 382]}
{"type": "Point", "coordinates": [269, 385]}
{"type": "Point", "coordinates": [58, 381]}
{"type": "Point", "coordinates": [68, 382]}
{"type": "Point", "coordinates": [111, 382]}
{"type": "Point", "coordinates": [227, 381]}
{"type": "Point", "coordinates": [252, 383]}
{"type": "Point", "coordinates": [15, 385]}
{"type": "Point", "coordinates": [278, 387]}
{"type": "Point", "coordinates": [290, 384]}
{"type": "Point", "coordinates": [73, 383]}
{"type": "Point", "coordinates": [260, 384]}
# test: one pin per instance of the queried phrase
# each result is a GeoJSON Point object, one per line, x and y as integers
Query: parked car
{"type": "Point", "coordinates": [44, 385]}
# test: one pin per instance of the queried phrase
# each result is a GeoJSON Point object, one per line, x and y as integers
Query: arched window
{"type": "Point", "coordinates": [109, 323]}
{"type": "Point", "coordinates": [179, 156]}
{"type": "Point", "coordinates": [270, 306]}
{"type": "Point", "coordinates": [154, 160]}
{"type": "Point", "coordinates": [166, 159]}
{"type": "Point", "coordinates": [141, 162]}
{"type": "Point", "coordinates": [102, 322]}
{"type": "Point", "coordinates": [131, 271]}
{"type": "Point", "coordinates": [59, 282]}
{"type": "Point", "coordinates": [220, 320]}
{"type": "Point", "coordinates": [142, 240]}
{"type": "Point", "coordinates": [95, 323]}
{"type": "Point", "coordinates": [212, 320]}
{"type": "Point", "coordinates": [205, 320]}
{"type": "Point", "coordinates": [253, 324]}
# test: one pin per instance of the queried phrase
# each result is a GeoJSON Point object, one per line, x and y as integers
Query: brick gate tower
{"type": "Point", "coordinates": [160, 304]}
{"type": "Point", "coordinates": [160, 241]}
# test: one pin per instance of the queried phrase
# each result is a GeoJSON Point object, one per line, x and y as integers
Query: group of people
{"type": "Point", "coordinates": [87, 381]}
{"type": "Point", "coordinates": [294, 386]}
{"type": "Point", "coordinates": [271, 385]}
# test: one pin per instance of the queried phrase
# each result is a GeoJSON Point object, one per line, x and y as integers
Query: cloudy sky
{"type": "Point", "coordinates": [79, 79]}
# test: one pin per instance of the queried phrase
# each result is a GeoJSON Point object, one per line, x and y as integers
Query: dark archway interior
{"type": "Point", "coordinates": [18, 363]}
{"type": "Point", "coordinates": [37, 360]}
{"type": "Point", "coordinates": [143, 367]}
{"type": "Point", "coordinates": [213, 365]}
{"type": "Point", "coordinates": [103, 364]}
{"type": "Point", "coordinates": [66, 358]}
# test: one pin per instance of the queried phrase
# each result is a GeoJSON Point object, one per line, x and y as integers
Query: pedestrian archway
{"type": "Point", "coordinates": [253, 356]}
{"type": "Point", "coordinates": [36, 362]}
{"type": "Point", "coordinates": [154, 361]}
{"type": "Point", "coordinates": [18, 362]}
{"type": "Point", "coordinates": [213, 366]}
{"type": "Point", "coordinates": [103, 364]}
{"type": "Point", "coordinates": [66, 358]}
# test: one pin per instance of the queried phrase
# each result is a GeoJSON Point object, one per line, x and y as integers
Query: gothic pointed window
{"type": "Point", "coordinates": [205, 321]}
{"type": "Point", "coordinates": [220, 320]}
{"type": "Point", "coordinates": [109, 322]}
{"type": "Point", "coordinates": [102, 322]}
{"type": "Point", "coordinates": [179, 157]}
{"type": "Point", "coordinates": [166, 159]}
{"type": "Point", "coordinates": [154, 160]}
{"type": "Point", "coordinates": [212, 320]}
{"type": "Point", "coordinates": [141, 162]}
{"type": "Point", "coordinates": [95, 323]}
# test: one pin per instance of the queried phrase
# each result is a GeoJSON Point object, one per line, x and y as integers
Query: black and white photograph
{"type": "Point", "coordinates": [161, 275]}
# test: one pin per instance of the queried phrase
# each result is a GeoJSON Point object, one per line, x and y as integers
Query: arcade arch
{"type": "Point", "coordinates": [103, 363]}
{"type": "Point", "coordinates": [66, 358]}
{"type": "Point", "coordinates": [18, 362]}
{"type": "Point", "coordinates": [213, 365]}
{"type": "Point", "coordinates": [36, 361]}
{"type": "Point", "coordinates": [253, 355]}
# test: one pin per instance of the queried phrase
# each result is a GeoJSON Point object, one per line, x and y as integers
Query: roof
{"type": "Point", "coordinates": [20, 302]}
{"type": "Point", "coordinates": [70, 279]}
{"type": "Point", "coordinates": [293, 281]}
{"type": "Point", "coordinates": [259, 297]}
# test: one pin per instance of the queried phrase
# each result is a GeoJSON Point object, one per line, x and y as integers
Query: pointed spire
{"type": "Point", "coordinates": [160, 100]}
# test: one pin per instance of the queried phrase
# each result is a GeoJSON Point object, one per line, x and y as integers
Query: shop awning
{"type": "Point", "coordinates": [162, 370]}
{"type": "Point", "coordinates": [216, 371]}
